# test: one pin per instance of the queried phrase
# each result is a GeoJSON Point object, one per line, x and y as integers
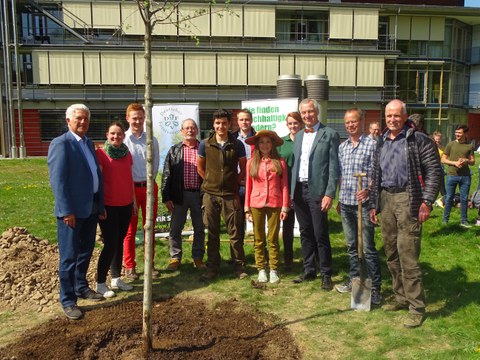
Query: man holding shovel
{"type": "Point", "coordinates": [356, 156]}
{"type": "Point", "coordinates": [405, 181]}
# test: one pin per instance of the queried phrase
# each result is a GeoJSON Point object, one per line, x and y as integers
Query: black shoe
{"type": "Point", "coordinates": [92, 295]}
{"type": "Point", "coordinates": [73, 312]}
{"type": "Point", "coordinates": [305, 277]}
{"type": "Point", "coordinates": [327, 283]}
{"type": "Point", "coordinates": [376, 297]}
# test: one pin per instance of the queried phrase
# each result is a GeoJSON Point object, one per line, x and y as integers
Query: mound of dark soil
{"type": "Point", "coordinates": [182, 328]}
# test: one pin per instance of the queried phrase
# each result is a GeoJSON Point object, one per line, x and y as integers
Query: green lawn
{"type": "Point", "coordinates": [322, 322]}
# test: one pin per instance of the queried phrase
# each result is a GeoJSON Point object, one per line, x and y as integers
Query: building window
{"type": "Point", "coordinates": [302, 27]}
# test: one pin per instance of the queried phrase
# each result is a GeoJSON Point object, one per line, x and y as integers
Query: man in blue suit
{"type": "Point", "coordinates": [315, 175]}
{"type": "Point", "coordinates": [77, 186]}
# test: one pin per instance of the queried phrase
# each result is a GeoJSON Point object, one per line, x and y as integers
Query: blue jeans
{"type": "Point", "coordinates": [463, 183]}
{"type": "Point", "coordinates": [349, 215]}
{"type": "Point", "coordinates": [75, 247]}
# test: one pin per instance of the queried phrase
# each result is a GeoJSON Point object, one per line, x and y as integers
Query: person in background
{"type": "Point", "coordinates": [458, 156]}
{"type": "Point", "coordinates": [245, 130]}
{"type": "Point", "coordinates": [374, 130]}
{"type": "Point", "coordinates": [181, 192]}
{"type": "Point", "coordinates": [77, 186]}
{"type": "Point", "coordinates": [405, 181]}
{"type": "Point", "coordinates": [315, 176]}
{"type": "Point", "coordinates": [218, 160]}
{"type": "Point", "coordinates": [437, 138]}
{"type": "Point", "coordinates": [136, 141]}
{"type": "Point", "coordinates": [115, 162]}
{"type": "Point", "coordinates": [266, 196]}
{"type": "Point", "coordinates": [294, 125]}
{"type": "Point", "coordinates": [356, 156]}
{"type": "Point", "coordinates": [419, 122]}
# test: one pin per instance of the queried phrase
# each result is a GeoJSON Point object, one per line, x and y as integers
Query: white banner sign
{"type": "Point", "coordinates": [270, 114]}
{"type": "Point", "coordinates": [167, 120]}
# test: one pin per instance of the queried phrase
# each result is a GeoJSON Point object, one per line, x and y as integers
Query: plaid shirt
{"type": "Point", "coordinates": [355, 160]}
{"type": "Point", "coordinates": [191, 179]}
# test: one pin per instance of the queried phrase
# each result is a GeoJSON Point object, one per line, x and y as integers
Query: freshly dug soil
{"type": "Point", "coordinates": [182, 327]}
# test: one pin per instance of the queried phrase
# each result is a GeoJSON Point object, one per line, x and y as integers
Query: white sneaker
{"type": "Point", "coordinates": [117, 283]}
{"type": "Point", "coordinates": [274, 279]}
{"type": "Point", "coordinates": [262, 276]}
{"type": "Point", "coordinates": [104, 290]}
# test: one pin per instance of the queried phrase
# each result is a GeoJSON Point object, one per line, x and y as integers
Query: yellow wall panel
{"type": "Point", "coordinates": [420, 28]}
{"type": "Point", "coordinates": [341, 71]}
{"type": "Point", "coordinates": [309, 65]}
{"type": "Point", "coordinates": [259, 21]}
{"type": "Point", "coordinates": [262, 70]}
{"type": "Point", "coordinates": [437, 28]}
{"type": "Point", "coordinates": [365, 24]}
{"type": "Point", "coordinates": [106, 15]}
{"type": "Point", "coordinates": [200, 69]}
{"type": "Point", "coordinates": [167, 68]}
{"type": "Point", "coordinates": [287, 65]}
{"type": "Point", "coordinates": [76, 15]}
{"type": "Point", "coordinates": [227, 23]}
{"type": "Point", "coordinates": [91, 63]}
{"type": "Point", "coordinates": [370, 72]}
{"type": "Point", "coordinates": [402, 25]}
{"type": "Point", "coordinates": [117, 68]}
{"type": "Point", "coordinates": [41, 72]}
{"type": "Point", "coordinates": [194, 20]}
{"type": "Point", "coordinates": [232, 69]}
{"type": "Point", "coordinates": [132, 23]}
{"type": "Point", "coordinates": [66, 67]}
{"type": "Point", "coordinates": [341, 23]}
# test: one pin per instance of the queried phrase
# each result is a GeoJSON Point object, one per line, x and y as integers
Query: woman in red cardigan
{"type": "Point", "coordinates": [266, 196]}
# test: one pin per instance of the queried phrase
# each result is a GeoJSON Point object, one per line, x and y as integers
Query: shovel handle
{"type": "Point", "coordinates": [359, 176]}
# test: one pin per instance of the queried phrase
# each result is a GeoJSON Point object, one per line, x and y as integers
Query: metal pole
{"type": "Point", "coordinates": [3, 114]}
{"type": "Point", "coordinates": [19, 82]}
{"type": "Point", "coordinates": [8, 82]}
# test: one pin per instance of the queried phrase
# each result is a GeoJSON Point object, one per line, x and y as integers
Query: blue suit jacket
{"type": "Point", "coordinates": [71, 179]}
{"type": "Point", "coordinates": [323, 165]}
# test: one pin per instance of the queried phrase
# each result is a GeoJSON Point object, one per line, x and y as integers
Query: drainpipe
{"type": "Point", "coordinates": [19, 82]}
{"type": "Point", "coordinates": [8, 81]}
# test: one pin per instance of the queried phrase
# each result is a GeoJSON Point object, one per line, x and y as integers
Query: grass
{"type": "Point", "coordinates": [322, 322]}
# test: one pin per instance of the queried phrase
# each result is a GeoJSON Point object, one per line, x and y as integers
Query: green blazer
{"type": "Point", "coordinates": [323, 165]}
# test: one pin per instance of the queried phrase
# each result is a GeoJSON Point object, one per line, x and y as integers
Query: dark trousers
{"type": "Point", "coordinates": [314, 235]}
{"type": "Point", "coordinates": [287, 237]}
{"type": "Point", "coordinates": [75, 247]}
{"type": "Point", "coordinates": [114, 228]}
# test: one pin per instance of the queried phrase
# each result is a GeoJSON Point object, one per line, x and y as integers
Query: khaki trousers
{"type": "Point", "coordinates": [273, 222]}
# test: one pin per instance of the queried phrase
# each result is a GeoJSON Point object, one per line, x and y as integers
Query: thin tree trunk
{"type": "Point", "coordinates": [149, 228]}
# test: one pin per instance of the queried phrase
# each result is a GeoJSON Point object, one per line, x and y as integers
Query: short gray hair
{"type": "Point", "coordinates": [72, 108]}
{"type": "Point", "coordinates": [189, 119]}
{"type": "Point", "coordinates": [308, 100]}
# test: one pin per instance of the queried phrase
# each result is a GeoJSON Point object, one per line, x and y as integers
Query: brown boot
{"type": "Point", "coordinates": [131, 274]}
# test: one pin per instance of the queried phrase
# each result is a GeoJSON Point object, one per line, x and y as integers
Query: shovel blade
{"type": "Point", "coordinates": [361, 294]}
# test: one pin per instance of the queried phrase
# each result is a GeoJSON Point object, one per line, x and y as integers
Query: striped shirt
{"type": "Point", "coordinates": [355, 160]}
{"type": "Point", "coordinates": [191, 179]}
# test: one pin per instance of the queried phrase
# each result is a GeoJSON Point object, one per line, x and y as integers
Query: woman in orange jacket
{"type": "Point", "coordinates": [266, 196]}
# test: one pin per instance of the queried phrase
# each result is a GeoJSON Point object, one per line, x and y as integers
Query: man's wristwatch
{"type": "Point", "coordinates": [428, 203]}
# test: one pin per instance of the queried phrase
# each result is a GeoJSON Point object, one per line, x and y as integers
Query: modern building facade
{"type": "Point", "coordinates": [92, 52]}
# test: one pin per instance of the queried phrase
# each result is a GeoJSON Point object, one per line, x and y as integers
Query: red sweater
{"type": "Point", "coordinates": [117, 179]}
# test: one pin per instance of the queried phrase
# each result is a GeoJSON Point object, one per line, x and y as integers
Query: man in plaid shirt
{"type": "Point", "coordinates": [356, 156]}
{"type": "Point", "coordinates": [181, 192]}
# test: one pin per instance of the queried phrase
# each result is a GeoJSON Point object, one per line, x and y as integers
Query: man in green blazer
{"type": "Point", "coordinates": [315, 176]}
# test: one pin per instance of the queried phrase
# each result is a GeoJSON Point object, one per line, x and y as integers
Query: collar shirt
{"type": "Point", "coordinates": [191, 179]}
{"type": "Point", "coordinates": [248, 148]}
{"type": "Point", "coordinates": [90, 159]}
{"type": "Point", "coordinates": [355, 160]}
{"type": "Point", "coordinates": [393, 160]}
{"type": "Point", "coordinates": [307, 144]}
{"type": "Point", "coordinates": [138, 149]}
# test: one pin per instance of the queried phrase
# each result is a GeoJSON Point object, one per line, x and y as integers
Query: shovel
{"type": "Point", "coordinates": [361, 286]}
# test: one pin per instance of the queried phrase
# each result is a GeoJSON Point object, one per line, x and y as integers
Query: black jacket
{"type": "Point", "coordinates": [424, 171]}
{"type": "Point", "coordinates": [172, 177]}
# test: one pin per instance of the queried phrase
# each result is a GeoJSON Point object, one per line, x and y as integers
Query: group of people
{"type": "Point", "coordinates": [106, 186]}
{"type": "Point", "coordinates": [249, 176]}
